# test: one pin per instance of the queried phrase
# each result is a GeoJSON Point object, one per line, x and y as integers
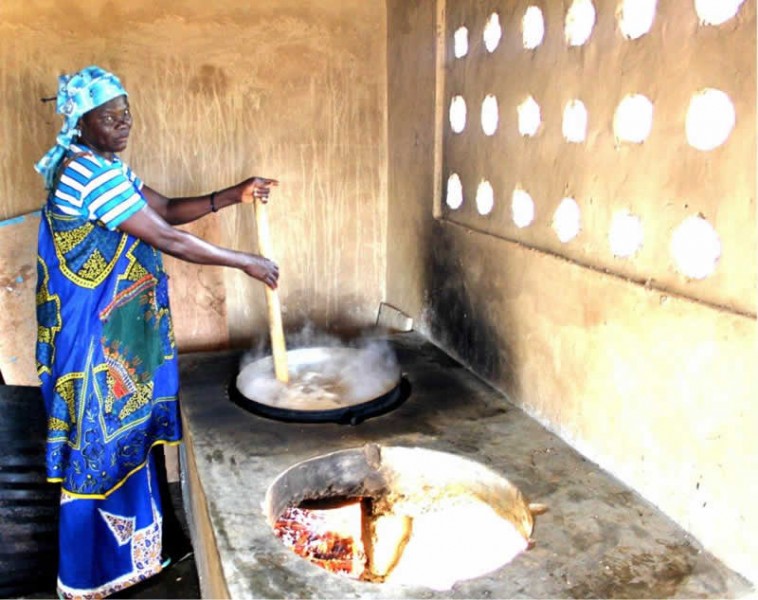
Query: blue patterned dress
{"type": "Point", "coordinates": [107, 361]}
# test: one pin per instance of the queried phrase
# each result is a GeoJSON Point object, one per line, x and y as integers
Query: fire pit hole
{"type": "Point", "coordinates": [395, 515]}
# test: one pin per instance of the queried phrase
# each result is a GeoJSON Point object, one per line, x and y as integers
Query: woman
{"type": "Point", "coordinates": [106, 354]}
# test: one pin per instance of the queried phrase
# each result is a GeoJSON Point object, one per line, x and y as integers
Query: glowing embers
{"type": "Point", "coordinates": [532, 28]}
{"type": "Point", "coordinates": [490, 115]}
{"type": "Point", "coordinates": [695, 248]}
{"type": "Point", "coordinates": [529, 118]}
{"type": "Point", "coordinates": [626, 234]}
{"type": "Point", "coordinates": [522, 208]}
{"type": "Point", "coordinates": [485, 198]}
{"type": "Point", "coordinates": [460, 42]}
{"type": "Point", "coordinates": [580, 20]}
{"type": "Point", "coordinates": [635, 17]}
{"type": "Point", "coordinates": [716, 12]}
{"type": "Point", "coordinates": [710, 119]}
{"type": "Point", "coordinates": [575, 121]}
{"type": "Point", "coordinates": [633, 119]}
{"type": "Point", "coordinates": [409, 516]}
{"type": "Point", "coordinates": [457, 114]}
{"type": "Point", "coordinates": [454, 196]}
{"type": "Point", "coordinates": [327, 537]}
{"type": "Point", "coordinates": [493, 32]}
{"type": "Point", "coordinates": [567, 220]}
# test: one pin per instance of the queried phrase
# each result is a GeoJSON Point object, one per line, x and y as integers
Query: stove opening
{"type": "Point", "coordinates": [400, 516]}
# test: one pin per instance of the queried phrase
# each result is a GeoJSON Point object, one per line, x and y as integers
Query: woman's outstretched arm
{"type": "Point", "coordinates": [178, 211]}
{"type": "Point", "coordinates": [147, 225]}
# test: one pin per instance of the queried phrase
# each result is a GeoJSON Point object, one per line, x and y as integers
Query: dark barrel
{"type": "Point", "coordinates": [28, 504]}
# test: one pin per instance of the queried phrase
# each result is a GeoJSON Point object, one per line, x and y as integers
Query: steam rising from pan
{"type": "Point", "coordinates": [326, 382]}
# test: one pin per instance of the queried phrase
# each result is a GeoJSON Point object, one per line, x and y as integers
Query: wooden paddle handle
{"type": "Point", "coordinates": [278, 348]}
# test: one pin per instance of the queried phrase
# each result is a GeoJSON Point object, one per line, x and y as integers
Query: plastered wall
{"type": "Point", "coordinates": [662, 181]}
{"type": "Point", "coordinates": [655, 383]}
{"type": "Point", "coordinates": [290, 89]}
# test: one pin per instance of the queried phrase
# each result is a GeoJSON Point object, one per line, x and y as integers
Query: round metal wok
{"type": "Point", "coordinates": [327, 384]}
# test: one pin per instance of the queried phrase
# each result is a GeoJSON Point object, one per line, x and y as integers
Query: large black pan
{"type": "Point", "coordinates": [327, 384]}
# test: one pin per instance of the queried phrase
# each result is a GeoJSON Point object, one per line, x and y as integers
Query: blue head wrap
{"type": "Point", "coordinates": [77, 94]}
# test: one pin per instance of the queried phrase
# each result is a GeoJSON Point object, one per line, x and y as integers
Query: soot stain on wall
{"type": "Point", "coordinates": [458, 317]}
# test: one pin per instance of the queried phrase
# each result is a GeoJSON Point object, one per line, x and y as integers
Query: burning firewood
{"type": "Point", "coordinates": [324, 537]}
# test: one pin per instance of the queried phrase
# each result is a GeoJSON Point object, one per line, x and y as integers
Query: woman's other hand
{"type": "Point", "coordinates": [147, 225]}
{"type": "Point", "coordinates": [256, 188]}
{"type": "Point", "coordinates": [262, 269]}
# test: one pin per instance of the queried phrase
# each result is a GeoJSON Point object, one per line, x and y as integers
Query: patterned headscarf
{"type": "Point", "coordinates": [77, 94]}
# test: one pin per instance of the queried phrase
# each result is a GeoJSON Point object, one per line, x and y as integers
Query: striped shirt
{"type": "Point", "coordinates": [98, 189]}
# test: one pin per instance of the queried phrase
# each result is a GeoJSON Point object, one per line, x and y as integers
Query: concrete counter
{"type": "Point", "coordinates": [599, 538]}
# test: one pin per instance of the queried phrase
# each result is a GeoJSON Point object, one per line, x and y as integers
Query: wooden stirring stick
{"type": "Point", "coordinates": [278, 348]}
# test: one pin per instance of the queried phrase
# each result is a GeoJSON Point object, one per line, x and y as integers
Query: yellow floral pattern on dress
{"type": "Point", "coordinates": [136, 272]}
{"type": "Point", "coordinates": [48, 319]}
{"type": "Point", "coordinates": [45, 335]}
{"type": "Point", "coordinates": [93, 267]}
{"type": "Point", "coordinates": [65, 387]}
{"type": "Point", "coordinates": [140, 398]}
{"type": "Point", "coordinates": [66, 241]}
{"type": "Point", "coordinates": [57, 424]}
{"type": "Point", "coordinates": [70, 242]}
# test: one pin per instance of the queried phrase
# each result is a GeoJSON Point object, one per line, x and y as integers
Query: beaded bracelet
{"type": "Point", "coordinates": [214, 208]}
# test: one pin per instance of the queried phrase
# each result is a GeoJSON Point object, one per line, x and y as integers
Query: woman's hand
{"type": "Point", "coordinates": [256, 188]}
{"type": "Point", "coordinates": [262, 269]}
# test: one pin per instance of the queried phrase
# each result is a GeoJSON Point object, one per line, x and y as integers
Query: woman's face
{"type": "Point", "coordinates": [106, 128]}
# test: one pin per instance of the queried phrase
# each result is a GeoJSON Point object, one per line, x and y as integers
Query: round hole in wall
{"type": "Point", "coordinates": [710, 119]}
{"type": "Point", "coordinates": [532, 27]}
{"type": "Point", "coordinates": [580, 20]}
{"type": "Point", "coordinates": [460, 42]}
{"type": "Point", "coordinates": [492, 32]}
{"type": "Point", "coordinates": [454, 196]}
{"type": "Point", "coordinates": [485, 198]}
{"type": "Point", "coordinates": [567, 220]}
{"type": "Point", "coordinates": [402, 516]}
{"type": "Point", "coordinates": [489, 115]}
{"type": "Point", "coordinates": [716, 12]}
{"type": "Point", "coordinates": [522, 208]}
{"type": "Point", "coordinates": [626, 234]}
{"type": "Point", "coordinates": [575, 121]}
{"type": "Point", "coordinates": [635, 17]}
{"type": "Point", "coordinates": [529, 118]}
{"type": "Point", "coordinates": [695, 248]}
{"type": "Point", "coordinates": [457, 114]}
{"type": "Point", "coordinates": [633, 119]}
